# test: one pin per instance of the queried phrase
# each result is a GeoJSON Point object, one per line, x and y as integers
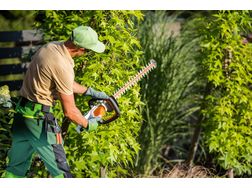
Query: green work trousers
{"type": "Point", "coordinates": [35, 134]}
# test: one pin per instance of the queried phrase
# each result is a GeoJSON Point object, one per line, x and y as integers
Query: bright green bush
{"type": "Point", "coordinates": [228, 66]}
{"type": "Point", "coordinates": [111, 150]}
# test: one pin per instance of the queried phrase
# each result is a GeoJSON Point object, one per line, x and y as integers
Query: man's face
{"type": "Point", "coordinates": [78, 52]}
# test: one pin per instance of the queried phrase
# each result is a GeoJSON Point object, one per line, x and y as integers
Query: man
{"type": "Point", "coordinates": [34, 128]}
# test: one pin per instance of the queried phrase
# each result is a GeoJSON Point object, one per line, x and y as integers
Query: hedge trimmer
{"type": "Point", "coordinates": [103, 108]}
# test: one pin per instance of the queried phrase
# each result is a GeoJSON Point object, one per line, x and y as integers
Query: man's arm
{"type": "Point", "coordinates": [71, 111]}
{"type": "Point", "coordinates": [79, 89]}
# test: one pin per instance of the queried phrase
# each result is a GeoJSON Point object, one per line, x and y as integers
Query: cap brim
{"type": "Point", "coordinates": [99, 47]}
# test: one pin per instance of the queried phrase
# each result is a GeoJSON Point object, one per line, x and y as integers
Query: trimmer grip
{"type": "Point", "coordinates": [79, 129]}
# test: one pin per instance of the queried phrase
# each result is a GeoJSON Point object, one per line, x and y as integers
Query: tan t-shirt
{"type": "Point", "coordinates": [51, 71]}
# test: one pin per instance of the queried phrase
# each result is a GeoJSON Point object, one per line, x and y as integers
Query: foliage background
{"type": "Point", "coordinates": [198, 102]}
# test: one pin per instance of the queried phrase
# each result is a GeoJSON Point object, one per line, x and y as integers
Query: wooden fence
{"type": "Point", "coordinates": [16, 49]}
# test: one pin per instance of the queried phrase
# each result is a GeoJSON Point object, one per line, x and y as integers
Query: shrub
{"type": "Point", "coordinates": [6, 115]}
{"type": "Point", "coordinates": [228, 68]}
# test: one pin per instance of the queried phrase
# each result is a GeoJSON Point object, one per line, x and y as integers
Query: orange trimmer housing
{"type": "Point", "coordinates": [100, 107]}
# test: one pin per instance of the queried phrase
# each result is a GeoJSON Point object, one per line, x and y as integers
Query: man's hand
{"type": "Point", "coordinates": [93, 123]}
{"type": "Point", "coordinates": [91, 126]}
{"type": "Point", "coordinates": [96, 94]}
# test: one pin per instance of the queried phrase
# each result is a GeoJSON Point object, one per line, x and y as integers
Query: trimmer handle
{"type": "Point", "coordinates": [111, 105]}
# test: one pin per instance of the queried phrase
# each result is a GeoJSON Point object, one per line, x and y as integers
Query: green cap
{"type": "Point", "coordinates": [86, 37]}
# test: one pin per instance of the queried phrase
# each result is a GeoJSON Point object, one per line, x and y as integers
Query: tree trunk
{"type": "Point", "coordinates": [194, 145]}
{"type": "Point", "coordinates": [103, 172]}
{"type": "Point", "coordinates": [230, 173]}
{"type": "Point", "coordinates": [197, 131]}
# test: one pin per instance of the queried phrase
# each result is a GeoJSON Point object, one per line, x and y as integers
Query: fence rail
{"type": "Point", "coordinates": [16, 50]}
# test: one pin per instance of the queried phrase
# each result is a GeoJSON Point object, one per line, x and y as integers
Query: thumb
{"type": "Point", "coordinates": [104, 95]}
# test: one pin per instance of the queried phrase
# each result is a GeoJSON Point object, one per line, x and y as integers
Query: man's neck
{"type": "Point", "coordinates": [70, 47]}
